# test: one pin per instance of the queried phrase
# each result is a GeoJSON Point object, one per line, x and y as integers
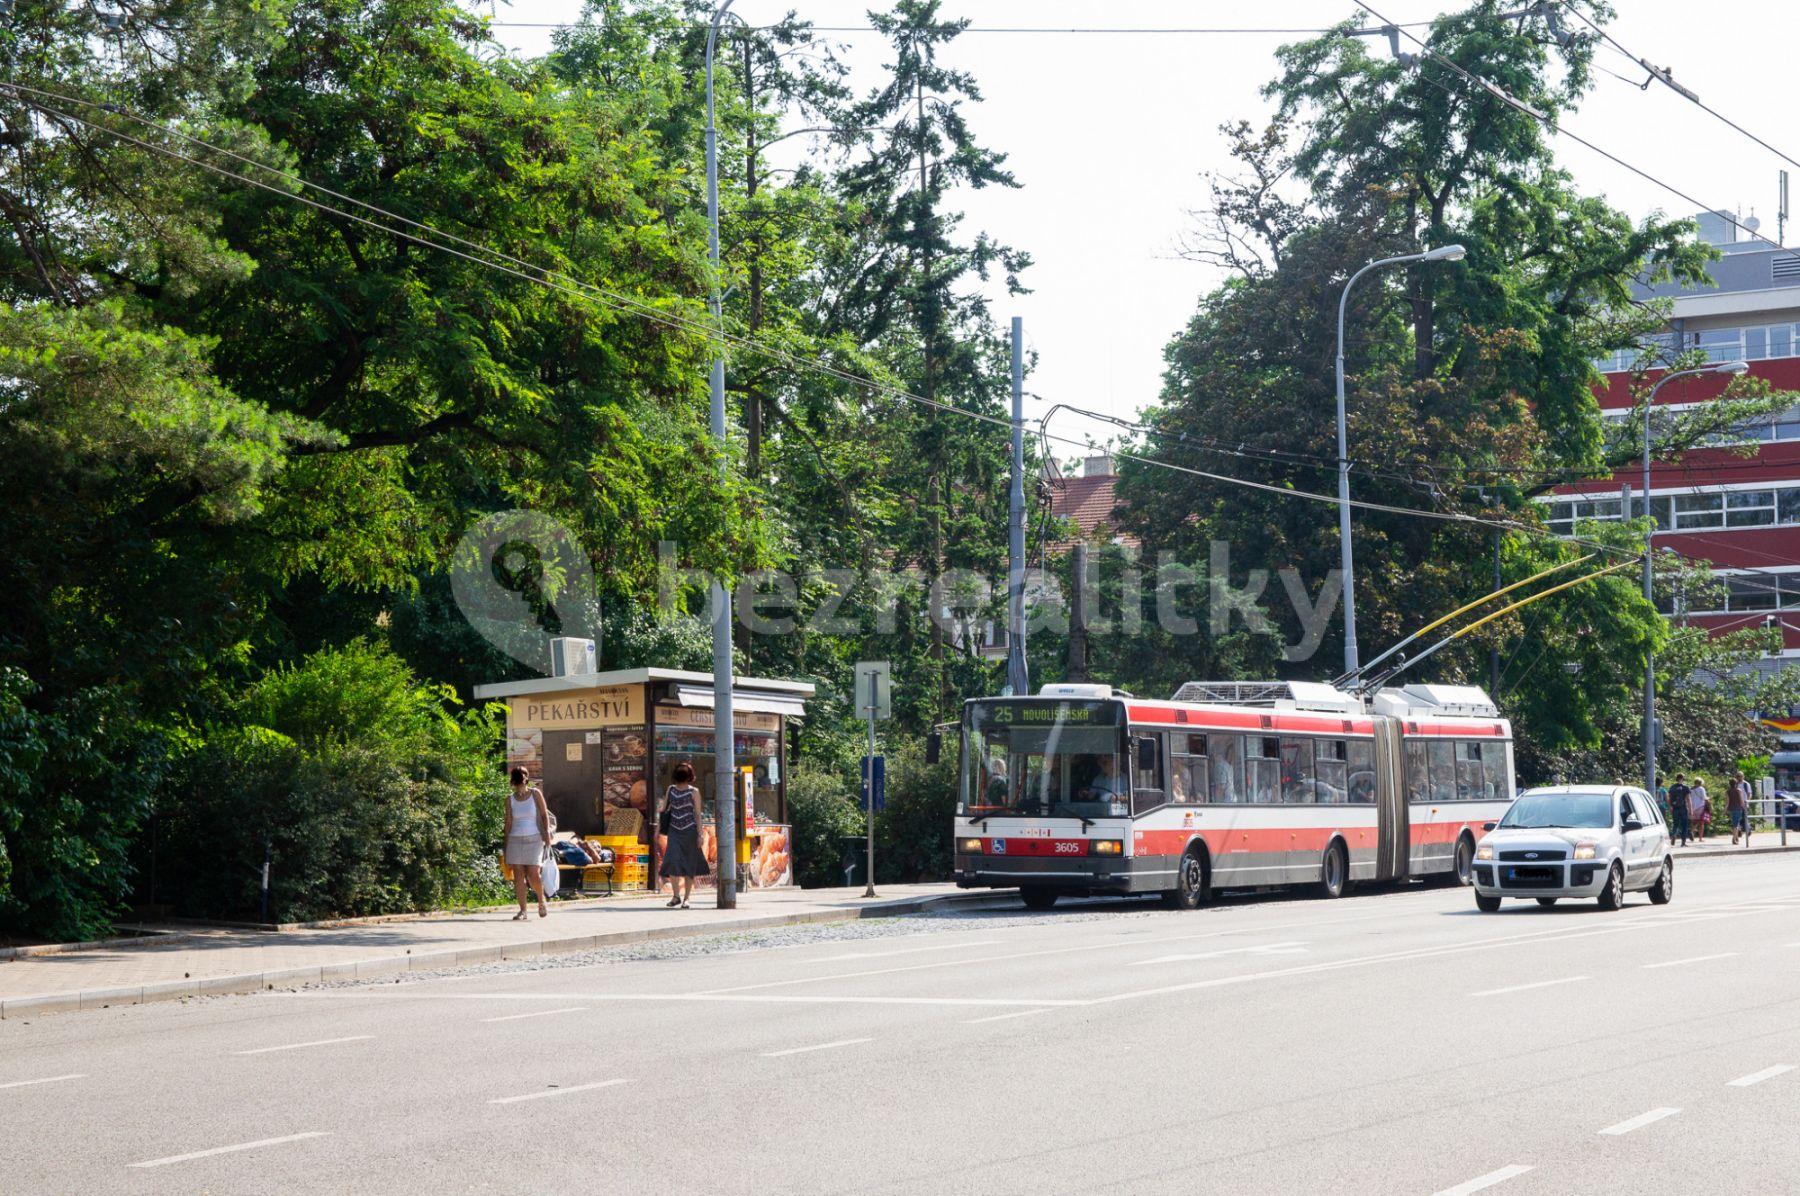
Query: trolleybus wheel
{"type": "Point", "coordinates": [1190, 883]}
{"type": "Point", "coordinates": [1334, 873]}
{"type": "Point", "coordinates": [1465, 861]}
{"type": "Point", "coordinates": [1613, 895]}
{"type": "Point", "coordinates": [1486, 904]}
{"type": "Point", "coordinates": [1038, 898]}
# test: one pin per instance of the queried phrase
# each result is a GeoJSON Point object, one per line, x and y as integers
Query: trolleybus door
{"type": "Point", "coordinates": [1391, 820]}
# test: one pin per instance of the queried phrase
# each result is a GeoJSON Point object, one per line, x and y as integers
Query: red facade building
{"type": "Point", "coordinates": [1736, 505]}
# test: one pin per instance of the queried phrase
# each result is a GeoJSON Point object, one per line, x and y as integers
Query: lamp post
{"type": "Point", "coordinates": [724, 765]}
{"type": "Point", "coordinates": [1443, 253]}
{"type": "Point", "coordinates": [1728, 367]}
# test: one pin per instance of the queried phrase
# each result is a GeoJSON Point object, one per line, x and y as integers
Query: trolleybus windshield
{"type": "Point", "coordinates": [1047, 759]}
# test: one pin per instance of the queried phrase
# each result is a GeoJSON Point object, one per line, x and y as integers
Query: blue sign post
{"type": "Point", "coordinates": [879, 801]}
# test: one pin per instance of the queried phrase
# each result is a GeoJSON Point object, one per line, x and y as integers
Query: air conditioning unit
{"type": "Point", "coordinates": [571, 657]}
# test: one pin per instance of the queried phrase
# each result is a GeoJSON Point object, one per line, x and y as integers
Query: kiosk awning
{"type": "Point", "coordinates": [749, 703]}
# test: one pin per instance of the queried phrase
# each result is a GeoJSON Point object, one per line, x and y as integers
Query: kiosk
{"type": "Point", "coordinates": [602, 747]}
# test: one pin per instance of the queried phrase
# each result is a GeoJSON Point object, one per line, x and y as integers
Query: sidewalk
{"type": "Point", "coordinates": [1715, 844]}
{"type": "Point", "coordinates": [200, 962]}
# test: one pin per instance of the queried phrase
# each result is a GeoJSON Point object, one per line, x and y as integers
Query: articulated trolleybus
{"type": "Point", "coordinates": [1232, 784]}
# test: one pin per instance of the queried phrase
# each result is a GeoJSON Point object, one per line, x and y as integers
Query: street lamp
{"type": "Point", "coordinates": [724, 766]}
{"type": "Point", "coordinates": [1443, 253]}
{"type": "Point", "coordinates": [1727, 367]}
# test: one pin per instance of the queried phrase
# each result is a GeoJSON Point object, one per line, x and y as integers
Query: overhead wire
{"type": "Point", "coordinates": [1666, 77]}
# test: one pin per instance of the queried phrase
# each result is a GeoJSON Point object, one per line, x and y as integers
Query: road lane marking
{"type": "Point", "coordinates": [848, 956]}
{"type": "Point", "coordinates": [1510, 1171]}
{"type": "Point", "coordinates": [727, 998]}
{"type": "Point", "coordinates": [560, 1092]}
{"type": "Point", "coordinates": [1000, 1017]}
{"type": "Point", "coordinates": [1757, 1077]}
{"type": "Point", "coordinates": [513, 1017]}
{"type": "Point", "coordinates": [74, 1075]}
{"type": "Point", "coordinates": [204, 1154]}
{"type": "Point", "coordinates": [1675, 963]}
{"type": "Point", "coordinates": [1519, 988]}
{"type": "Point", "coordinates": [823, 1046]}
{"type": "Point", "coordinates": [300, 1046]}
{"type": "Point", "coordinates": [1270, 949]}
{"type": "Point", "coordinates": [1639, 1122]}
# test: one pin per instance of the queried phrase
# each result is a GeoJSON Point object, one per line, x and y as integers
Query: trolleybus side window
{"type": "Point", "coordinates": [1262, 769]}
{"type": "Point", "coordinates": [1225, 759]}
{"type": "Point", "coordinates": [1493, 768]}
{"type": "Point", "coordinates": [1471, 784]}
{"type": "Point", "coordinates": [1362, 770]}
{"type": "Point", "coordinates": [1188, 784]}
{"type": "Point", "coordinates": [1418, 778]}
{"type": "Point", "coordinates": [1443, 770]}
{"type": "Point", "coordinates": [1331, 771]}
{"type": "Point", "coordinates": [1296, 770]}
{"type": "Point", "coordinates": [1147, 791]}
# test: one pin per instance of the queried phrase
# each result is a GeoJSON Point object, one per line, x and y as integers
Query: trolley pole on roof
{"type": "Point", "coordinates": [1018, 681]}
{"type": "Point", "coordinates": [724, 766]}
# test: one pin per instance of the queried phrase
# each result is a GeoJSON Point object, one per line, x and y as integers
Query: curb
{"type": "Point", "coordinates": [392, 965]}
{"type": "Point", "coordinates": [1713, 853]}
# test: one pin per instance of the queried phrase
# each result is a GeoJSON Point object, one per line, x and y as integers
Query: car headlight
{"type": "Point", "coordinates": [1484, 853]}
{"type": "Point", "coordinates": [969, 846]}
{"type": "Point", "coordinates": [1585, 851]}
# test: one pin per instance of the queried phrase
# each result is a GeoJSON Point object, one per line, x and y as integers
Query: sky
{"type": "Point", "coordinates": [1111, 136]}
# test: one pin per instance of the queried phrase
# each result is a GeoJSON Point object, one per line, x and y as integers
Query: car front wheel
{"type": "Point", "coordinates": [1486, 904]}
{"type": "Point", "coordinates": [1613, 895]}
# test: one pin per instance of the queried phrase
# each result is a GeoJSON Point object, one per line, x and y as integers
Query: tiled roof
{"type": "Point", "coordinates": [1090, 503]}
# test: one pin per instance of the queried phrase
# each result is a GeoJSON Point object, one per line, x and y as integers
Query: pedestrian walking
{"type": "Point", "coordinates": [1737, 806]}
{"type": "Point", "coordinates": [1678, 806]}
{"type": "Point", "coordinates": [1699, 808]}
{"type": "Point", "coordinates": [682, 858]}
{"type": "Point", "coordinates": [527, 840]}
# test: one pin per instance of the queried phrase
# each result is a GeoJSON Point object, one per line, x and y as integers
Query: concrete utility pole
{"type": "Point", "coordinates": [1018, 679]}
{"type": "Point", "coordinates": [724, 764]}
{"type": "Point", "coordinates": [1649, 730]}
{"type": "Point", "coordinates": [1443, 253]}
{"type": "Point", "coordinates": [1078, 614]}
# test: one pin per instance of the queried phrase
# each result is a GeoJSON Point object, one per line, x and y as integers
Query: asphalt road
{"type": "Point", "coordinates": [1388, 1042]}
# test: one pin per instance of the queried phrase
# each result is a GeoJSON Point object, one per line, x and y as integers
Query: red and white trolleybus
{"type": "Point", "coordinates": [1083, 790]}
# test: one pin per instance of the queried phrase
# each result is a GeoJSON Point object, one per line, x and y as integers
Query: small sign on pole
{"type": "Point", "coordinates": [874, 689]}
{"type": "Point", "coordinates": [877, 801]}
{"type": "Point", "coordinates": [874, 700]}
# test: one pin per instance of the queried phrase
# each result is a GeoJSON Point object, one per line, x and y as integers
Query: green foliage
{"type": "Point", "coordinates": [369, 791]}
{"type": "Point", "coordinates": [913, 832]}
{"type": "Point", "coordinates": [822, 811]}
{"type": "Point", "coordinates": [76, 779]}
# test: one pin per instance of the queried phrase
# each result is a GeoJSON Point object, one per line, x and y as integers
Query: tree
{"type": "Point", "coordinates": [1470, 384]}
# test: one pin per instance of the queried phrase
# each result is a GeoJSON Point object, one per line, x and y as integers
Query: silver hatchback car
{"type": "Point", "coordinates": [1575, 841]}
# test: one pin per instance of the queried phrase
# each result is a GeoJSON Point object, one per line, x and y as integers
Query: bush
{"type": "Point", "coordinates": [822, 810]}
{"type": "Point", "coordinates": [75, 784]}
{"type": "Point", "coordinates": [913, 832]}
{"type": "Point", "coordinates": [369, 793]}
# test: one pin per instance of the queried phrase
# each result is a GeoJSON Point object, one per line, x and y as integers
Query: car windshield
{"type": "Point", "coordinates": [1052, 759]}
{"type": "Point", "coordinates": [1542, 810]}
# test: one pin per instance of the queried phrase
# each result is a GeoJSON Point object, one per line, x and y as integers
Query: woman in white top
{"type": "Point", "coordinates": [527, 839]}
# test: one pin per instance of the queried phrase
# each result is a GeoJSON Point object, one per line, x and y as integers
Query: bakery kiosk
{"type": "Point", "coordinates": [602, 747]}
